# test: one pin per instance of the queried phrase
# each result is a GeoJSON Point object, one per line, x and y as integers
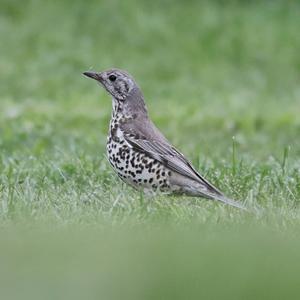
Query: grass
{"type": "Point", "coordinates": [221, 80]}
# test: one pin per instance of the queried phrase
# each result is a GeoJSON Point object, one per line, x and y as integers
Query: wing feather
{"type": "Point", "coordinates": [170, 157]}
{"type": "Point", "coordinates": [142, 135]}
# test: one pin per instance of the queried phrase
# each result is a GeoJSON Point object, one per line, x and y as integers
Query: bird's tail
{"type": "Point", "coordinates": [205, 190]}
{"type": "Point", "coordinates": [229, 201]}
{"type": "Point", "coordinates": [220, 197]}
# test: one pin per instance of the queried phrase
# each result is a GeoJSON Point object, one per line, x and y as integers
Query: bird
{"type": "Point", "coordinates": [139, 153]}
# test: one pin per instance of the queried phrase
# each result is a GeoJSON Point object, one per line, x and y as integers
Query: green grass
{"type": "Point", "coordinates": [221, 80]}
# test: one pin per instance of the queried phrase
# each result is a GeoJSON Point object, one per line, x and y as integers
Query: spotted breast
{"type": "Point", "coordinates": [134, 167]}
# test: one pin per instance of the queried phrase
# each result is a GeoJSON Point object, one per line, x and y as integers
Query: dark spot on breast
{"type": "Point", "coordinates": [149, 166]}
{"type": "Point", "coordinates": [132, 162]}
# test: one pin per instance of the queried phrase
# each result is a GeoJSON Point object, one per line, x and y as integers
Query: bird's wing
{"type": "Point", "coordinates": [150, 141]}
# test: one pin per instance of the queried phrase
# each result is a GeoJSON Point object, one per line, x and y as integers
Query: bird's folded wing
{"type": "Point", "coordinates": [170, 157]}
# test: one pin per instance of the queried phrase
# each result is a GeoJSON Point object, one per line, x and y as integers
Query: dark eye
{"type": "Point", "coordinates": [112, 77]}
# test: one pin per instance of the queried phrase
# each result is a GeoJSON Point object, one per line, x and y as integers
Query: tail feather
{"type": "Point", "coordinates": [221, 198]}
{"type": "Point", "coordinates": [229, 202]}
{"type": "Point", "coordinates": [189, 187]}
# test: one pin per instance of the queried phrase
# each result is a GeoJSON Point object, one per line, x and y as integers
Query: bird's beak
{"type": "Point", "coordinates": [94, 75]}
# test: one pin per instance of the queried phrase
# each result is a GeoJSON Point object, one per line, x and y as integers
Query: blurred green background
{"type": "Point", "coordinates": [221, 80]}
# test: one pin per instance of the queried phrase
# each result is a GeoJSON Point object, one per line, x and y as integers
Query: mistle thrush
{"type": "Point", "coordinates": [138, 151]}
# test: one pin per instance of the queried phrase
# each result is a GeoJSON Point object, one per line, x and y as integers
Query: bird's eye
{"type": "Point", "coordinates": [112, 77]}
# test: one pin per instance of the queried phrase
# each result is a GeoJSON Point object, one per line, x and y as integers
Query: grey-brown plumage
{"type": "Point", "coordinates": [138, 151]}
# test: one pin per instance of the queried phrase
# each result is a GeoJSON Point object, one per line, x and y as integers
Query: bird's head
{"type": "Point", "coordinates": [117, 82]}
{"type": "Point", "coordinates": [123, 89]}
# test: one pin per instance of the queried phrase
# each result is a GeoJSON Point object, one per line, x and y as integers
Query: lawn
{"type": "Point", "coordinates": [221, 80]}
